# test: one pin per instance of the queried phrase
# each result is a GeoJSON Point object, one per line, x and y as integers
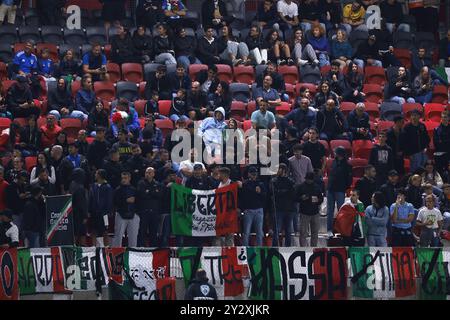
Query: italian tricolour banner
{"type": "Point", "coordinates": [434, 268]}
{"type": "Point", "coordinates": [202, 213]}
{"type": "Point", "coordinates": [297, 273]}
{"type": "Point", "coordinates": [225, 268]}
{"type": "Point", "coordinates": [40, 271]}
{"type": "Point", "coordinates": [145, 276]}
{"type": "Point", "coordinates": [382, 273]}
{"type": "Point", "coordinates": [59, 221]}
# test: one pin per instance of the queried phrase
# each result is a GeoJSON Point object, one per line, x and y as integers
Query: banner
{"type": "Point", "coordinates": [9, 287]}
{"type": "Point", "coordinates": [225, 267]}
{"type": "Point", "coordinates": [144, 277]}
{"type": "Point", "coordinates": [59, 221]}
{"type": "Point", "coordinates": [381, 273]}
{"type": "Point", "coordinates": [204, 213]}
{"type": "Point", "coordinates": [40, 271]}
{"type": "Point", "coordinates": [434, 269]}
{"type": "Point", "coordinates": [297, 273]}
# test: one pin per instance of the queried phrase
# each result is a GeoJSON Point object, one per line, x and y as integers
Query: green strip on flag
{"type": "Point", "coordinates": [434, 270]}
{"type": "Point", "coordinates": [27, 278]}
{"type": "Point", "coordinates": [181, 213]}
{"type": "Point", "coordinates": [64, 214]}
{"type": "Point", "coordinates": [264, 282]}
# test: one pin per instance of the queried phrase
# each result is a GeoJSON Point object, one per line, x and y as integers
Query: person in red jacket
{"type": "Point", "coordinates": [49, 132]}
{"type": "Point", "coordinates": [3, 185]}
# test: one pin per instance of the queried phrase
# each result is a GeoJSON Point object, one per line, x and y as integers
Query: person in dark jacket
{"type": "Point", "coordinates": [209, 48]}
{"type": "Point", "coordinates": [73, 161]}
{"type": "Point", "coordinates": [148, 204]}
{"type": "Point", "coordinates": [441, 141]}
{"type": "Point", "coordinates": [179, 79]}
{"type": "Point", "coordinates": [200, 289]}
{"type": "Point", "coordinates": [198, 181]}
{"type": "Point", "coordinates": [136, 164]}
{"type": "Point", "coordinates": [303, 117]}
{"type": "Point", "coordinates": [148, 12]}
{"type": "Point", "coordinates": [368, 53]}
{"type": "Point", "coordinates": [30, 138]}
{"type": "Point", "coordinates": [416, 141]}
{"type": "Point", "coordinates": [323, 94]}
{"type": "Point", "coordinates": [332, 123]}
{"type": "Point", "coordinates": [60, 101]}
{"type": "Point", "coordinates": [16, 194]}
{"type": "Point", "coordinates": [310, 197]}
{"type": "Point", "coordinates": [197, 102]}
{"type": "Point", "coordinates": [282, 192]}
{"type": "Point", "coordinates": [252, 200]}
{"type": "Point", "coordinates": [353, 85]}
{"type": "Point", "coordinates": [159, 82]}
{"type": "Point", "coordinates": [98, 149]}
{"type": "Point", "coordinates": [113, 168]}
{"type": "Point", "coordinates": [70, 66]}
{"type": "Point", "coordinates": [391, 187]}
{"type": "Point", "coordinates": [256, 46]}
{"type": "Point", "coordinates": [85, 98]}
{"type": "Point", "coordinates": [208, 79]}
{"type": "Point", "coordinates": [43, 181]}
{"type": "Point", "coordinates": [266, 14]}
{"type": "Point", "coordinates": [382, 158]}
{"type": "Point", "coordinates": [33, 223]}
{"type": "Point", "coordinates": [185, 47]}
{"type": "Point", "coordinates": [340, 179]}
{"type": "Point", "coordinates": [122, 47]}
{"type": "Point", "coordinates": [79, 205]}
{"type": "Point", "coordinates": [336, 79]}
{"type": "Point", "coordinates": [97, 118]}
{"type": "Point", "coordinates": [143, 44]}
{"type": "Point", "coordinates": [126, 218]}
{"type": "Point", "coordinates": [414, 191]}
{"type": "Point", "coordinates": [215, 14]}
{"type": "Point", "coordinates": [367, 185]}
{"type": "Point", "coordinates": [9, 232]}
{"type": "Point", "coordinates": [19, 100]}
{"type": "Point", "coordinates": [400, 89]}
{"type": "Point", "coordinates": [277, 80]}
{"type": "Point", "coordinates": [359, 123]}
{"type": "Point", "coordinates": [394, 140]}
{"type": "Point", "coordinates": [163, 45]}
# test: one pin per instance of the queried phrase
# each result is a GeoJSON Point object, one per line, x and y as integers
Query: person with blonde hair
{"type": "Point", "coordinates": [341, 49]}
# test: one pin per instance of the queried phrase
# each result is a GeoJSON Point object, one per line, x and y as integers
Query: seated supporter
{"type": "Point", "coordinates": [163, 45]}
{"type": "Point", "coordinates": [303, 52]}
{"type": "Point", "coordinates": [331, 14]}
{"type": "Point", "coordinates": [210, 48]}
{"type": "Point", "coordinates": [85, 98]}
{"type": "Point", "coordinates": [431, 176]}
{"type": "Point", "coordinates": [353, 81]}
{"type": "Point", "coordinates": [341, 50]}
{"type": "Point", "coordinates": [336, 79]}
{"type": "Point", "coordinates": [148, 12]}
{"type": "Point", "coordinates": [49, 132]}
{"type": "Point", "coordinates": [302, 116]}
{"type": "Point", "coordinates": [267, 95]}
{"type": "Point", "coordinates": [174, 12]}
{"type": "Point", "coordinates": [19, 100]}
{"type": "Point", "coordinates": [354, 17]}
{"type": "Point", "coordinates": [220, 98]}
{"type": "Point", "coordinates": [266, 14]}
{"type": "Point", "coordinates": [208, 79]}
{"type": "Point", "coordinates": [399, 88]}
{"type": "Point", "coordinates": [359, 123]}
{"type": "Point", "coordinates": [94, 63]}
{"type": "Point", "coordinates": [159, 82]}
{"type": "Point", "coordinates": [319, 42]}
{"type": "Point", "coordinates": [423, 86]}
{"type": "Point", "coordinates": [310, 13]}
{"type": "Point", "coordinates": [46, 66]}
{"type": "Point", "coordinates": [385, 43]}
{"type": "Point", "coordinates": [184, 47]}
{"type": "Point", "coordinates": [30, 138]}
{"type": "Point", "coordinates": [151, 137]}
{"type": "Point", "coordinates": [69, 67]}
{"type": "Point", "coordinates": [61, 103]}
{"type": "Point", "coordinates": [122, 47]}
{"type": "Point", "coordinates": [392, 13]}
{"type": "Point", "coordinates": [288, 14]}
{"type": "Point", "coordinates": [368, 53]}
{"type": "Point", "coordinates": [97, 118]}
{"type": "Point", "coordinates": [211, 131]}
{"type": "Point", "coordinates": [263, 118]}
{"type": "Point", "coordinates": [215, 14]}
{"type": "Point", "coordinates": [278, 50]}
{"type": "Point", "coordinates": [331, 123]}
{"type": "Point", "coordinates": [143, 44]}
{"type": "Point", "coordinates": [323, 95]}
{"type": "Point", "coordinates": [4, 113]}
{"type": "Point", "coordinates": [25, 62]}
{"type": "Point", "coordinates": [179, 79]}
{"type": "Point", "coordinates": [277, 80]}
{"type": "Point", "coordinates": [124, 116]}
{"type": "Point", "coordinates": [444, 51]}
{"type": "Point", "coordinates": [197, 102]}
{"type": "Point", "coordinates": [42, 164]}
{"type": "Point", "coordinates": [179, 108]}
{"type": "Point", "coordinates": [256, 46]}
{"type": "Point", "coordinates": [235, 50]}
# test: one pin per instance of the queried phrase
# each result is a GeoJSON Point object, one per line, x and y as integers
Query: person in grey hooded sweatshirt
{"type": "Point", "coordinates": [211, 130]}
{"type": "Point", "coordinates": [377, 217]}
{"type": "Point", "coordinates": [79, 205]}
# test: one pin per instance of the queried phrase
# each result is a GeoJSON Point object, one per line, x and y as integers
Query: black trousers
{"type": "Point", "coordinates": [148, 226]}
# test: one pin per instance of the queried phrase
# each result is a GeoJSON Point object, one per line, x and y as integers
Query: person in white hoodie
{"type": "Point", "coordinates": [211, 130]}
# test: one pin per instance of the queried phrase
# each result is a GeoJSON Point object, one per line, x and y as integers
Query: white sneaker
{"type": "Point", "coordinates": [302, 62]}
{"type": "Point", "coordinates": [330, 234]}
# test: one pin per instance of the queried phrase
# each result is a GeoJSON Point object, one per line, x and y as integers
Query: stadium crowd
{"type": "Point", "coordinates": [360, 112]}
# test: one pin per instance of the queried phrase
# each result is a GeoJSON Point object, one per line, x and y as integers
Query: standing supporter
{"type": "Point", "coordinates": [441, 142]}
{"type": "Point", "coordinates": [136, 164]}
{"type": "Point", "coordinates": [113, 167]}
{"type": "Point", "coordinates": [184, 47]}
{"type": "Point", "coordinates": [315, 151]}
{"type": "Point", "coordinates": [299, 165]}
{"type": "Point", "coordinates": [33, 219]}
{"type": "Point", "coordinates": [414, 191]}
{"type": "Point", "coordinates": [382, 158]}
{"type": "Point", "coordinates": [10, 237]}
{"type": "Point", "coordinates": [16, 170]}
{"type": "Point", "coordinates": [416, 141]}
{"type": "Point", "coordinates": [430, 220]}
{"type": "Point", "coordinates": [366, 186]}
{"type": "Point", "coordinates": [79, 204]}
{"type": "Point", "coordinates": [377, 217]}
{"type": "Point", "coordinates": [42, 164]}
{"type": "Point", "coordinates": [16, 193]}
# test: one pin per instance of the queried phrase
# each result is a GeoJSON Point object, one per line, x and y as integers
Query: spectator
{"type": "Point", "coordinates": [354, 17]}
{"type": "Point", "coordinates": [61, 139]}
{"type": "Point", "coordinates": [151, 136]}
{"type": "Point", "coordinates": [339, 180]}
{"type": "Point", "coordinates": [359, 123]}
{"type": "Point", "coordinates": [391, 187]}
{"type": "Point", "coordinates": [382, 158]}
{"type": "Point", "coordinates": [277, 80]}
{"type": "Point", "coordinates": [159, 82]}
{"type": "Point", "coordinates": [423, 86]}
{"type": "Point", "coordinates": [319, 42]}
{"type": "Point", "coordinates": [395, 141]}
{"type": "Point", "coordinates": [197, 102]}
{"type": "Point", "coordinates": [19, 100]}
{"type": "Point", "coordinates": [25, 62]}
{"type": "Point", "coordinates": [341, 50]}
{"type": "Point", "coordinates": [163, 46]}
{"type": "Point", "coordinates": [441, 142]}
{"type": "Point", "coordinates": [444, 206]}
{"type": "Point", "coordinates": [4, 113]}
{"type": "Point", "coordinates": [123, 145]}
{"type": "Point", "coordinates": [187, 166]}
{"type": "Point", "coordinates": [267, 95]}
{"type": "Point", "coordinates": [199, 288]}
{"type": "Point", "coordinates": [79, 205]}
{"type": "Point", "coordinates": [122, 47]}
{"type": "Point", "coordinates": [323, 95]}
{"type": "Point", "coordinates": [148, 12]}
{"type": "Point", "coordinates": [49, 131]}
{"type": "Point", "coordinates": [353, 85]}
{"type": "Point", "coordinates": [69, 164]}
{"type": "Point", "coordinates": [98, 149]}
{"type": "Point", "coordinates": [310, 12]}
{"type": "Point", "coordinates": [256, 46]}
{"type": "Point", "coordinates": [377, 217]}
{"type": "Point", "coordinates": [126, 218]}
{"type": "Point", "coordinates": [315, 151]}
{"type": "Point", "coordinates": [209, 48]}
{"type": "Point", "coordinates": [179, 79]}
{"type": "Point", "coordinates": [331, 14]}
{"type": "Point", "coordinates": [416, 141]}
{"type": "Point", "coordinates": [208, 79]}
{"type": "Point", "coordinates": [136, 164]}
{"type": "Point", "coordinates": [304, 53]}
{"type": "Point", "coordinates": [69, 67]}
{"type": "Point", "coordinates": [46, 66]}
{"type": "Point", "coordinates": [30, 138]}
{"type": "Point", "coordinates": [431, 176]}
{"type": "Point", "coordinates": [85, 98]}
{"type": "Point", "coordinates": [185, 47]}
{"type": "Point", "coordinates": [335, 78]}
{"type": "Point", "coordinates": [368, 53]}
{"type": "Point", "coordinates": [399, 89]}
{"type": "Point", "coordinates": [263, 118]}
{"type": "Point", "coordinates": [430, 220]}
{"type": "Point", "coordinates": [16, 170]}
{"type": "Point", "coordinates": [179, 107]}
{"type": "Point", "coordinates": [303, 117]}
{"type": "Point", "coordinates": [8, 8]}
{"type": "Point", "coordinates": [402, 214]}
{"type": "Point", "coordinates": [211, 130]}
{"type": "Point", "coordinates": [428, 191]}
{"type": "Point", "coordinates": [174, 12]}
{"type": "Point", "coordinates": [113, 11]}
{"type": "Point", "coordinates": [215, 14]}
{"type": "Point", "coordinates": [299, 165]}
{"type": "Point", "coordinates": [236, 52]}
{"type": "Point", "coordinates": [97, 118]}
{"type": "Point", "coordinates": [16, 194]}
{"type": "Point", "coordinates": [367, 185]}
{"type": "Point", "coordinates": [42, 164]}
{"type": "Point", "coordinates": [143, 45]}
{"type": "Point", "coordinates": [266, 14]}
{"type": "Point", "coordinates": [288, 14]}
{"type": "Point", "coordinates": [278, 50]}
{"type": "Point", "coordinates": [94, 64]}
{"type": "Point", "coordinates": [391, 11]}
{"type": "Point", "coordinates": [33, 218]}
{"type": "Point", "coordinates": [331, 123]}
{"type": "Point", "coordinates": [130, 123]}
{"type": "Point", "coordinates": [198, 180]}
{"type": "Point", "coordinates": [414, 191]}
{"type": "Point", "coordinates": [220, 98]}
{"type": "Point", "coordinates": [61, 102]}
{"type": "Point", "coordinates": [310, 197]}
{"type": "Point", "coordinates": [252, 199]}
{"type": "Point", "coordinates": [113, 167]}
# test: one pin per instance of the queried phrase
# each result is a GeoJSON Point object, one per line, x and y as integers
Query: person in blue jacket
{"type": "Point", "coordinates": [132, 122]}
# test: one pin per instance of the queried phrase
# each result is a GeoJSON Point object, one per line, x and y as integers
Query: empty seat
{"type": "Point", "coordinates": [251, 107]}
{"type": "Point", "coordinates": [29, 33]}
{"type": "Point", "coordinates": [164, 107]}
{"type": "Point", "coordinates": [238, 110]}
{"type": "Point", "coordinates": [403, 40]}
{"type": "Point", "coordinates": [71, 127]}
{"type": "Point", "coordinates": [6, 85]}
{"type": "Point", "coordinates": [132, 72]}
{"type": "Point", "coordinates": [4, 123]}
{"type": "Point", "coordinates": [3, 71]}
{"type": "Point", "coordinates": [404, 56]}
{"type": "Point", "coordinates": [424, 40]}
{"type": "Point", "coordinates": [76, 37]}
{"type": "Point", "coordinates": [310, 74]}
{"type": "Point", "coordinates": [388, 110]}
{"type": "Point", "coordinates": [53, 34]}
{"type": "Point", "coordinates": [290, 90]}
{"type": "Point", "coordinates": [375, 75]}
{"type": "Point", "coordinates": [358, 166]}
{"type": "Point", "coordinates": [244, 74]}
{"type": "Point", "coordinates": [374, 92]}
{"type": "Point", "coordinates": [240, 92]}
{"type": "Point", "coordinates": [6, 53]}
{"type": "Point", "coordinates": [326, 146]}
{"type": "Point", "coordinates": [105, 90]}
{"type": "Point", "coordinates": [114, 72]}
{"type": "Point", "coordinates": [32, 18]}
{"type": "Point", "coordinates": [139, 106]}
{"type": "Point", "coordinates": [362, 148]}
{"type": "Point", "coordinates": [224, 72]}
{"type": "Point", "coordinates": [440, 94]}
{"type": "Point", "coordinates": [85, 48]}
{"type": "Point", "coordinates": [432, 111]}
{"type": "Point", "coordinates": [357, 37]}
{"type": "Point", "coordinates": [96, 35]}
{"type": "Point", "coordinates": [128, 90]}
{"type": "Point", "coordinates": [373, 110]}
{"type": "Point", "coordinates": [8, 34]}
{"type": "Point", "coordinates": [347, 107]}
{"type": "Point", "coordinates": [30, 163]}
{"type": "Point", "coordinates": [289, 73]}
{"type": "Point", "coordinates": [283, 109]}
{"type": "Point", "coordinates": [384, 125]}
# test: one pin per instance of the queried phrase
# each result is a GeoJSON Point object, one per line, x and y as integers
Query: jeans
{"type": "Point", "coordinates": [360, 63]}
{"type": "Point", "coordinates": [401, 100]}
{"type": "Point", "coordinates": [402, 238]}
{"type": "Point", "coordinates": [75, 114]}
{"type": "Point", "coordinates": [324, 60]}
{"type": "Point", "coordinates": [253, 217]}
{"type": "Point", "coordinates": [236, 49]}
{"type": "Point", "coordinates": [417, 160]}
{"type": "Point", "coordinates": [33, 239]}
{"type": "Point", "coordinates": [348, 28]}
{"type": "Point", "coordinates": [304, 53]}
{"type": "Point", "coordinates": [165, 58]}
{"type": "Point", "coordinates": [376, 241]}
{"type": "Point", "coordinates": [428, 237]}
{"type": "Point", "coordinates": [175, 117]}
{"type": "Point", "coordinates": [284, 222]}
{"type": "Point", "coordinates": [312, 221]}
{"type": "Point", "coordinates": [184, 60]}
{"type": "Point", "coordinates": [426, 98]}
{"type": "Point", "coordinates": [333, 197]}
{"type": "Point", "coordinates": [401, 27]}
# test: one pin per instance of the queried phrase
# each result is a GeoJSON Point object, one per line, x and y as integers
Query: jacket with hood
{"type": "Point", "coordinates": [200, 290]}
{"type": "Point", "coordinates": [60, 98]}
{"type": "Point", "coordinates": [331, 122]}
{"type": "Point", "coordinates": [79, 198]}
{"type": "Point", "coordinates": [100, 199]}
{"type": "Point", "coordinates": [211, 129]}
{"type": "Point", "coordinates": [377, 220]}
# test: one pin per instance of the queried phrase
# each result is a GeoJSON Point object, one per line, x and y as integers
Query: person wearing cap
{"type": "Point", "coordinates": [34, 216]}
{"type": "Point", "coordinates": [368, 53]}
{"type": "Point", "coordinates": [310, 197]}
{"type": "Point", "coordinates": [19, 99]}
{"type": "Point", "coordinates": [251, 201]}
{"type": "Point", "coordinates": [199, 288]}
{"type": "Point", "coordinates": [394, 138]}
{"type": "Point", "coordinates": [72, 161]}
{"type": "Point", "coordinates": [382, 158]}
{"type": "Point", "coordinates": [211, 130]}
{"type": "Point", "coordinates": [391, 187]}
{"type": "Point", "coordinates": [416, 141]}
{"type": "Point", "coordinates": [9, 233]}
{"type": "Point", "coordinates": [340, 178]}
{"type": "Point", "coordinates": [158, 82]}
{"type": "Point", "coordinates": [16, 193]}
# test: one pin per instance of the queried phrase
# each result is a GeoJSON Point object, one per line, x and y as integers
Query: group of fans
{"type": "Point", "coordinates": [119, 166]}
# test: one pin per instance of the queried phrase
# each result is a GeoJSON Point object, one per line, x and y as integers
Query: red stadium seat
{"type": "Point", "coordinates": [224, 72]}
{"type": "Point", "coordinates": [246, 125]}
{"type": "Point", "coordinates": [21, 121]}
{"type": "Point", "coordinates": [289, 73]}
{"type": "Point", "coordinates": [324, 70]}
{"type": "Point", "coordinates": [251, 107]}
{"type": "Point", "coordinates": [341, 143]}
{"type": "Point", "coordinates": [238, 110]}
{"type": "Point", "coordinates": [244, 74]}
{"type": "Point", "coordinates": [431, 125]}
{"type": "Point", "coordinates": [284, 108]}
{"type": "Point", "coordinates": [408, 107]}
{"type": "Point", "coordinates": [105, 90]}
{"type": "Point", "coordinates": [139, 106]}
{"type": "Point", "coordinates": [433, 111]}
{"type": "Point", "coordinates": [142, 89]}
{"type": "Point", "coordinates": [358, 165]}
{"type": "Point", "coordinates": [3, 72]}
{"type": "Point", "coordinates": [4, 123]}
{"type": "Point", "coordinates": [71, 127]}
{"type": "Point", "coordinates": [53, 49]}
{"type": "Point", "coordinates": [132, 72]}
{"type": "Point", "coordinates": [195, 68]}
{"type": "Point", "coordinates": [6, 85]}
{"type": "Point", "coordinates": [290, 90]}
{"type": "Point", "coordinates": [328, 164]}
{"type": "Point", "coordinates": [373, 110]}
{"type": "Point", "coordinates": [75, 86]}
{"type": "Point", "coordinates": [166, 126]}
{"type": "Point", "coordinates": [326, 146]}
{"type": "Point", "coordinates": [347, 107]}
{"type": "Point", "coordinates": [20, 46]}
{"type": "Point", "coordinates": [374, 92]}
{"type": "Point", "coordinates": [164, 107]}
{"type": "Point", "coordinates": [312, 88]}
{"type": "Point", "coordinates": [404, 56]}
{"type": "Point", "coordinates": [113, 72]}
{"type": "Point", "coordinates": [362, 148]}
{"type": "Point", "coordinates": [384, 125]}
{"type": "Point", "coordinates": [30, 163]}
{"type": "Point", "coordinates": [440, 94]}
{"type": "Point", "coordinates": [375, 75]}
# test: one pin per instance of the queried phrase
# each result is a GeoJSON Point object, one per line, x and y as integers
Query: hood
{"type": "Point", "coordinates": [221, 110]}
{"type": "Point", "coordinates": [78, 175]}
